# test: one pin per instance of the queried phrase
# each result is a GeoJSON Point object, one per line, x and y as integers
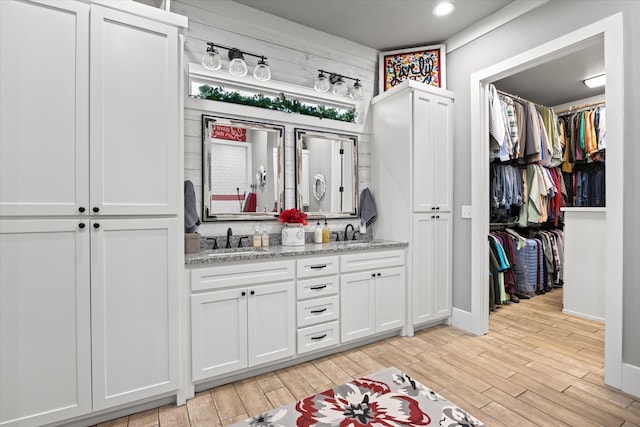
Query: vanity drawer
{"type": "Point", "coordinates": [225, 276]}
{"type": "Point", "coordinates": [317, 266]}
{"type": "Point", "coordinates": [318, 310]}
{"type": "Point", "coordinates": [317, 337]}
{"type": "Point", "coordinates": [318, 287]}
{"type": "Point", "coordinates": [371, 260]}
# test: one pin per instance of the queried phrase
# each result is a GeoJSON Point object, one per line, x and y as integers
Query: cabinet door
{"type": "Point", "coordinates": [442, 154]}
{"type": "Point", "coordinates": [442, 266]}
{"type": "Point", "coordinates": [44, 121]}
{"type": "Point", "coordinates": [422, 125]}
{"type": "Point", "coordinates": [135, 146]}
{"type": "Point", "coordinates": [357, 306]}
{"type": "Point", "coordinates": [390, 299]}
{"type": "Point", "coordinates": [422, 266]}
{"type": "Point", "coordinates": [134, 309]}
{"type": "Point", "coordinates": [45, 342]}
{"type": "Point", "coordinates": [218, 333]}
{"type": "Point", "coordinates": [271, 322]}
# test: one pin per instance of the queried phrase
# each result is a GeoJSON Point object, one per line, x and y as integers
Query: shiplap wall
{"type": "Point", "coordinates": [295, 53]}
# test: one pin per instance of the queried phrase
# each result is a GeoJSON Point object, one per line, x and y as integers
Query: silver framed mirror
{"type": "Point", "coordinates": [326, 166]}
{"type": "Point", "coordinates": [242, 169]}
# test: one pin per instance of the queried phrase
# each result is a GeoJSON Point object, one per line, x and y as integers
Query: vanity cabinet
{"type": "Point", "coordinates": [318, 303]}
{"type": "Point", "coordinates": [412, 174]}
{"type": "Point", "coordinates": [88, 145]}
{"type": "Point", "coordinates": [372, 294]}
{"type": "Point", "coordinates": [242, 315]}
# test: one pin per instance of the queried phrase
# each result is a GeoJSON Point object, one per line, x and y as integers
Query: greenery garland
{"type": "Point", "coordinates": [280, 103]}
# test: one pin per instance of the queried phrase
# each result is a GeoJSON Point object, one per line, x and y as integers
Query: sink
{"type": "Point", "coordinates": [357, 243]}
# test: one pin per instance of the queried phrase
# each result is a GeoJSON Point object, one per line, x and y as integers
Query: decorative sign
{"type": "Point", "coordinates": [424, 64]}
{"type": "Point", "coordinates": [229, 132]}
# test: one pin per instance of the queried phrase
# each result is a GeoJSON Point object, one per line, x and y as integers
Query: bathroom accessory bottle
{"type": "Point", "coordinates": [265, 236]}
{"type": "Point", "coordinates": [326, 234]}
{"type": "Point", "coordinates": [257, 238]}
{"type": "Point", "coordinates": [317, 233]}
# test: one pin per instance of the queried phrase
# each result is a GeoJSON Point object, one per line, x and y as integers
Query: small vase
{"type": "Point", "coordinates": [293, 235]}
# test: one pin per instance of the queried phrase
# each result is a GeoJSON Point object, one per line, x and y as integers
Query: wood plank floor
{"type": "Point", "coordinates": [536, 367]}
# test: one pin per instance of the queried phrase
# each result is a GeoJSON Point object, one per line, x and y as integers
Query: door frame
{"type": "Point", "coordinates": [477, 321]}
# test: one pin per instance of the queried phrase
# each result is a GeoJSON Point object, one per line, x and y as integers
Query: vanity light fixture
{"type": "Point", "coordinates": [444, 8]}
{"type": "Point", "coordinates": [323, 84]}
{"type": "Point", "coordinates": [596, 81]}
{"type": "Point", "coordinates": [238, 67]}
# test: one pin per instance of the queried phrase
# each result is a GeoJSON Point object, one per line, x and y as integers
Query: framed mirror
{"type": "Point", "coordinates": [326, 173]}
{"type": "Point", "coordinates": [242, 169]}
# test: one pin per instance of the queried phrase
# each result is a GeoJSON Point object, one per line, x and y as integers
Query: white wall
{"type": "Point", "coordinates": [539, 26]}
{"type": "Point", "coordinates": [295, 53]}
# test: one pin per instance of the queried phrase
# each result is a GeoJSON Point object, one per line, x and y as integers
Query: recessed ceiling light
{"type": "Point", "coordinates": [596, 81]}
{"type": "Point", "coordinates": [444, 8]}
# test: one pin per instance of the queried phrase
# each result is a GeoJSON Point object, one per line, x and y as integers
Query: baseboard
{"type": "Point", "coordinates": [584, 316]}
{"type": "Point", "coordinates": [631, 379]}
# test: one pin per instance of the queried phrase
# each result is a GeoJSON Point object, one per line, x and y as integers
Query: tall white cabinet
{"type": "Point", "coordinates": [412, 185]}
{"type": "Point", "coordinates": [90, 206]}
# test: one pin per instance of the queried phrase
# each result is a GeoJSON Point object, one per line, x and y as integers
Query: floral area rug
{"type": "Point", "coordinates": [388, 398]}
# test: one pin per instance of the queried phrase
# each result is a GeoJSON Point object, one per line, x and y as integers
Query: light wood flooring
{"type": "Point", "coordinates": [536, 367]}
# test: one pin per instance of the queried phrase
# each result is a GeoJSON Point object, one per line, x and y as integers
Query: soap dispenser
{"type": "Point", "coordinates": [317, 234]}
{"type": "Point", "coordinates": [326, 234]}
{"type": "Point", "coordinates": [257, 238]}
{"type": "Point", "coordinates": [265, 236]}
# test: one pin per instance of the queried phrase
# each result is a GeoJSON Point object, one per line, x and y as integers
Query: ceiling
{"type": "Point", "coordinates": [395, 24]}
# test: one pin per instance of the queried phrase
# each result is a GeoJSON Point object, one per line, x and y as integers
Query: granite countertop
{"type": "Point", "coordinates": [249, 253]}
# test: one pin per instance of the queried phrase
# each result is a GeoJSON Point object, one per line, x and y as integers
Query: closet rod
{"type": "Point", "coordinates": [519, 98]}
{"type": "Point", "coordinates": [578, 108]}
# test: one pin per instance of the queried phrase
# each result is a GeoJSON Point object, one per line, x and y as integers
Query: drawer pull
{"type": "Point", "coordinates": [316, 288]}
{"type": "Point", "coordinates": [319, 338]}
{"type": "Point", "coordinates": [319, 311]}
{"type": "Point", "coordinates": [318, 267]}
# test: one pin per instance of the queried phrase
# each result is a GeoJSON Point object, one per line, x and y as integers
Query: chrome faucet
{"type": "Point", "coordinates": [346, 232]}
{"type": "Point", "coordinates": [229, 234]}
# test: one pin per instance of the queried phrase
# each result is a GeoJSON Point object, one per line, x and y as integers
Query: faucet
{"type": "Point", "coordinates": [337, 235]}
{"type": "Point", "coordinates": [215, 242]}
{"type": "Point", "coordinates": [229, 234]}
{"type": "Point", "coordinates": [240, 240]}
{"type": "Point", "coordinates": [346, 232]}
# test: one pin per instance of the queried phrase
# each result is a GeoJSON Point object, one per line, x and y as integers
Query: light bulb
{"type": "Point", "coordinates": [340, 87]}
{"type": "Point", "coordinates": [211, 59]}
{"type": "Point", "coordinates": [356, 90]}
{"type": "Point", "coordinates": [444, 8]}
{"type": "Point", "coordinates": [262, 71]}
{"type": "Point", "coordinates": [237, 66]}
{"type": "Point", "coordinates": [322, 83]}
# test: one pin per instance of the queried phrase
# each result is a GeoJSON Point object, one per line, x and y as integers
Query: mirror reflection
{"type": "Point", "coordinates": [242, 169]}
{"type": "Point", "coordinates": [326, 173]}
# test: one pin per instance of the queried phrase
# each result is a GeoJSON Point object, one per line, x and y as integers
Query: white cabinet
{"type": "Point", "coordinates": [244, 318]}
{"type": "Point", "coordinates": [372, 300]}
{"type": "Point", "coordinates": [412, 172]}
{"type": "Point", "coordinates": [45, 320]}
{"type": "Point", "coordinates": [432, 267]}
{"type": "Point", "coordinates": [318, 306]}
{"type": "Point", "coordinates": [87, 133]}
{"type": "Point", "coordinates": [134, 311]}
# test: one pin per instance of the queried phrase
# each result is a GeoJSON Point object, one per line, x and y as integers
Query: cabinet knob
{"type": "Point", "coordinates": [96, 209]}
{"type": "Point", "coordinates": [81, 209]}
{"type": "Point", "coordinates": [437, 216]}
{"type": "Point", "coordinates": [96, 225]}
{"type": "Point", "coordinates": [373, 274]}
{"type": "Point", "coordinates": [437, 208]}
{"type": "Point", "coordinates": [252, 292]}
{"type": "Point", "coordinates": [433, 216]}
{"type": "Point", "coordinates": [379, 274]}
{"type": "Point", "coordinates": [243, 293]}
{"type": "Point", "coordinates": [81, 225]}
{"type": "Point", "coordinates": [433, 208]}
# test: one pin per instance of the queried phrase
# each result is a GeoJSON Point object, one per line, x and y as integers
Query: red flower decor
{"type": "Point", "coordinates": [293, 216]}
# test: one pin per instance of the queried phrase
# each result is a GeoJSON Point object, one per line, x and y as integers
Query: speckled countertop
{"type": "Point", "coordinates": [248, 253]}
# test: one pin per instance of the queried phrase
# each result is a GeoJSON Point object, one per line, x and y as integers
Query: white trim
{"type": "Point", "coordinates": [611, 27]}
{"type": "Point", "coordinates": [490, 23]}
{"type": "Point", "coordinates": [463, 320]}
{"type": "Point", "coordinates": [584, 316]}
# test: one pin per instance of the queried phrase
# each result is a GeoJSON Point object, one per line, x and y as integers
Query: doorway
{"type": "Point", "coordinates": [611, 29]}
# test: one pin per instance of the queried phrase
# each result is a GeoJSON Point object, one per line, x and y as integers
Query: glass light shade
{"type": "Point", "coordinates": [238, 67]}
{"type": "Point", "coordinates": [356, 90]}
{"type": "Point", "coordinates": [262, 71]}
{"type": "Point", "coordinates": [444, 8]}
{"type": "Point", "coordinates": [596, 81]}
{"type": "Point", "coordinates": [211, 60]}
{"type": "Point", "coordinates": [322, 83]}
{"type": "Point", "coordinates": [340, 87]}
